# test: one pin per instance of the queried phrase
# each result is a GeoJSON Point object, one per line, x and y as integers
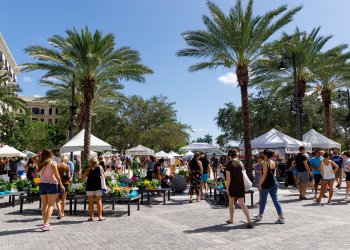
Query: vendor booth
{"type": "Point", "coordinates": [139, 150]}
{"type": "Point", "coordinates": [318, 140]}
{"type": "Point", "coordinates": [201, 147]}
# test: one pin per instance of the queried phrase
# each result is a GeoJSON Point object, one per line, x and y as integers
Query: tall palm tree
{"type": "Point", "coordinates": [234, 41]}
{"type": "Point", "coordinates": [91, 59]}
{"type": "Point", "coordinates": [307, 47]}
{"type": "Point", "coordinates": [332, 73]}
{"type": "Point", "coordinates": [8, 93]}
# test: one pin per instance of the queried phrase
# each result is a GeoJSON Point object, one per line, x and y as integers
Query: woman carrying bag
{"type": "Point", "coordinates": [94, 188]}
{"type": "Point", "coordinates": [236, 186]}
{"type": "Point", "coordinates": [269, 185]}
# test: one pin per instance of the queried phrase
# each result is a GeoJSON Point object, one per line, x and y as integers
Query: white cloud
{"type": "Point", "coordinates": [37, 96]}
{"type": "Point", "coordinates": [27, 79]}
{"type": "Point", "coordinates": [228, 79]}
{"type": "Point", "coordinates": [199, 130]}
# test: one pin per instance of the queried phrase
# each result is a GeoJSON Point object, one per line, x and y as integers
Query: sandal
{"type": "Point", "coordinates": [190, 201]}
{"type": "Point", "coordinates": [101, 219]}
{"type": "Point", "coordinates": [90, 219]}
{"type": "Point", "coordinates": [229, 222]}
{"type": "Point", "coordinates": [250, 225]}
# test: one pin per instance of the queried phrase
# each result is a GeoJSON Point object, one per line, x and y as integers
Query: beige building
{"type": "Point", "coordinates": [44, 111]}
{"type": "Point", "coordinates": [10, 66]}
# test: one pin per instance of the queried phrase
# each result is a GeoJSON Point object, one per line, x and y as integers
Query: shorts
{"type": "Point", "coordinates": [20, 172]}
{"type": "Point", "coordinates": [46, 188]}
{"type": "Point", "coordinates": [295, 173]}
{"type": "Point", "coordinates": [204, 178]}
{"type": "Point", "coordinates": [94, 193]}
{"type": "Point", "coordinates": [311, 178]}
{"type": "Point", "coordinates": [65, 187]}
{"type": "Point", "coordinates": [339, 174]}
{"type": "Point", "coordinates": [303, 177]}
{"type": "Point", "coordinates": [317, 178]}
{"type": "Point", "coordinates": [327, 180]}
{"type": "Point", "coordinates": [347, 178]}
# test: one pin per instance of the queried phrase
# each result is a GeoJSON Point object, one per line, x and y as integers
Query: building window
{"type": "Point", "coordinates": [36, 111]}
{"type": "Point", "coordinates": [50, 111]}
{"type": "Point", "coordinates": [56, 121]}
{"type": "Point", "coordinates": [57, 111]}
{"type": "Point", "coordinates": [42, 120]}
{"type": "Point", "coordinates": [42, 111]}
{"type": "Point", "coordinates": [50, 121]}
{"type": "Point", "coordinates": [34, 119]}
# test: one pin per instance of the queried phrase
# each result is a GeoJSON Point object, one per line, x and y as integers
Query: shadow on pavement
{"type": "Point", "coordinates": [290, 201]}
{"type": "Point", "coordinates": [23, 220]}
{"type": "Point", "coordinates": [21, 231]}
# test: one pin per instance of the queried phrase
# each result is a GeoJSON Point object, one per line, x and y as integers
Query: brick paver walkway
{"type": "Point", "coordinates": [180, 225]}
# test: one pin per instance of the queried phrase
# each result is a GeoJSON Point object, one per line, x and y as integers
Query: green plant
{"type": "Point", "coordinates": [23, 185]}
{"type": "Point", "coordinates": [183, 172]}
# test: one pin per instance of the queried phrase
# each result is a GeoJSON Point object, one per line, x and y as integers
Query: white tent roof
{"type": "Point", "coordinates": [77, 144]}
{"type": "Point", "coordinates": [200, 146]}
{"type": "Point", "coordinates": [7, 151]}
{"type": "Point", "coordinates": [139, 150]}
{"type": "Point", "coordinates": [189, 153]}
{"type": "Point", "coordinates": [173, 154]}
{"type": "Point", "coordinates": [318, 140]}
{"type": "Point", "coordinates": [78, 153]}
{"type": "Point", "coordinates": [108, 154]}
{"type": "Point", "coordinates": [161, 154]}
{"type": "Point", "coordinates": [276, 139]}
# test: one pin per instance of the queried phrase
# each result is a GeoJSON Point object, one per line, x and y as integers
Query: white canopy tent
{"type": "Point", "coordinates": [162, 154]}
{"type": "Point", "coordinates": [275, 139]}
{"type": "Point", "coordinates": [7, 151]}
{"type": "Point", "coordinates": [139, 150]}
{"type": "Point", "coordinates": [77, 144]}
{"type": "Point", "coordinates": [173, 154]}
{"type": "Point", "coordinates": [108, 154]}
{"type": "Point", "coordinates": [318, 140]}
{"type": "Point", "coordinates": [189, 153]}
{"type": "Point", "coordinates": [200, 147]}
{"type": "Point", "coordinates": [78, 153]}
{"type": "Point", "coordinates": [29, 154]}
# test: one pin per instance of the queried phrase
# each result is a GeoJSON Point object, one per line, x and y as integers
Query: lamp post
{"type": "Point", "coordinates": [297, 101]}
{"type": "Point", "coordinates": [73, 109]}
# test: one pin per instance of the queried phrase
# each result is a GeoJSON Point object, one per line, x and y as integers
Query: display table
{"type": "Point", "coordinates": [12, 196]}
{"type": "Point", "coordinates": [154, 191]}
{"type": "Point", "coordinates": [224, 192]}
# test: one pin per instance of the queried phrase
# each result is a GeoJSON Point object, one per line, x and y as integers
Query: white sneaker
{"type": "Point", "coordinates": [280, 221]}
{"type": "Point", "coordinates": [257, 217]}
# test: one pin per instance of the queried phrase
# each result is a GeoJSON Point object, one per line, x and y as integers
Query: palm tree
{"type": "Point", "coordinates": [331, 73]}
{"type": "Point", "coordinates": [306, 47]}
{"type": "Point", "coordinates": [8, 93]}
{"type": "Point", "coordinates": [234, 41]}
{"type": "Point", "coordinates": [91, 59]}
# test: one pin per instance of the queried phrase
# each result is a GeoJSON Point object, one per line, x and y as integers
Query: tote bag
{"type": "Point", "coordinates": [104, 187]}
{"type": "Point", "coordinates": [247, 183]}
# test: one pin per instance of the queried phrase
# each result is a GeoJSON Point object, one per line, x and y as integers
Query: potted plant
{"type": "Point", "coordinates": [180, 181]}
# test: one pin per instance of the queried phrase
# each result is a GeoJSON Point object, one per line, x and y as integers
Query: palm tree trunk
{"type": "Point", "coordinates": [243, 80]}
{"type": "Point", "coordinates": [89, 88]}
{"type": "Point", "coordinates": [81, 119]}
{"type": "Point", "coordinates": [326, 99]}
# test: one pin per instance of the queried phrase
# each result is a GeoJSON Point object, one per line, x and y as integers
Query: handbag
{"type": "Point", "coordinates": [247, 183]}
{"type": "Point", "coordinates": [104, 187]}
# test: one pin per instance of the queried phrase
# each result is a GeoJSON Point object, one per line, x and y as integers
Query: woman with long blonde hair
{"type": "Point", "coordinates": [50, 182]}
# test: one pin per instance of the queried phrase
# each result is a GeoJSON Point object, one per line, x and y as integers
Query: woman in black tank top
{"type": "Point", "coordinates": [195, 173]}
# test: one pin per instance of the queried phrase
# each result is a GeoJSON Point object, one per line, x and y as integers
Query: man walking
{"type": "Point", "coordinates": [303, 172]}
{"type": "Point", "coordinates": [315, 166]}
{"type": "Point", "coordinates": [338, 159]}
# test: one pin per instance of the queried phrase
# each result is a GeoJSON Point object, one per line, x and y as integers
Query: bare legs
{"type": "Point", "coordinates": [243, 207]}
{"type": "Point", "coordinates": [347, 190]}
{"type": "Point", "coordinates": [324, 185]}
{"type": "Point", "coordinates": [48, 202]}
{"type": "Point", "coordinates": [99, 207]}
{"type": "Point", "coordinates": [92, 204]}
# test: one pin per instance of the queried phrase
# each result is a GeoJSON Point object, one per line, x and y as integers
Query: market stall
{"type": "Point", "coordinates": [139, 150]}
{"type": "Point", "coordinates": [7, 151]}
{"type": "Point", "coordinates": [200, 147]}
{"type": "Point", "coordinates": [318, 140]}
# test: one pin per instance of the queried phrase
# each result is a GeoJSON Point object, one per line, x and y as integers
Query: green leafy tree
{"type": "Point", "coordinates": [207, 138]}
{"type": "Point", "coordinates": [91, 59]}
{"type": "Point", "coordinates": [234, 41]}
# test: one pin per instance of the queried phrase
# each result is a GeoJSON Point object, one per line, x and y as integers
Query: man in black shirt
{"type": "Point", "coordinates": [206, 170]}
{"type": "Point", "coordinates": [303, 172]}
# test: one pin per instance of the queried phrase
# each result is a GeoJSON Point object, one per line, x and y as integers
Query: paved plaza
{"type": "Point", "coordinates": [180, 225]}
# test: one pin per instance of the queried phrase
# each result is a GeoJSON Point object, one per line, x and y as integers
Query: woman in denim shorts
{"type": "Point", "coordinates": [93, 187]}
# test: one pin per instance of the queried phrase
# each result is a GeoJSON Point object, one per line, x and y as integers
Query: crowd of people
{"type": "Point", "coordinates": [318, 171]}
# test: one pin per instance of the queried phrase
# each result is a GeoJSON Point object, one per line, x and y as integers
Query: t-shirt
{"type": "Point", "coordinates": [300, 158]}
{"type": "Point", "coordinates": [71, 166]}
{"type": "Point", "coordinates": [338, 160]}
{"type": "Point", "coordinates": [347, 165]}
{"type": "Point", "coordinates": [20, 165]}
{"type": "Point", "coordinates": [215, 162]}
{"type": "Point", "coordinates": [316, 161]}
{"type": "Point", "coordinates": [205, 164]}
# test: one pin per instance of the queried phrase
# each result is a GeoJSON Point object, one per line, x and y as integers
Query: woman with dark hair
{"type": "Point", "coordinates": [328, 176]}
{"type": "Point", "coordinates": [195, 173]}
{"type": "Point", "coordinates": [235, 186]}
{"type": "Point", "coordinates": [269, 185]}
{"type": "Point", "coordinates": [49, 185]}
{"type": "Point", "coordinates": [30, 169]}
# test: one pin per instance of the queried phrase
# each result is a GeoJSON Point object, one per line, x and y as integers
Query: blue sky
{"type": "Point", "coordinates": [153, 27]}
